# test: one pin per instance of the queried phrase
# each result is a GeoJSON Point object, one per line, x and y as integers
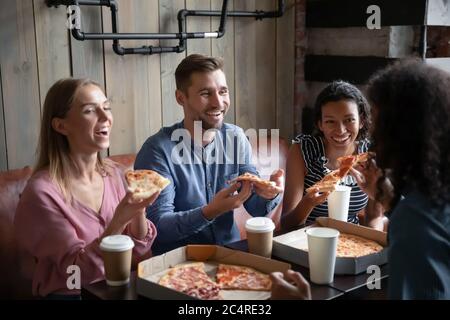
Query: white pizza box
{"type": "Point", "coordinates": [151, 270]}
{"type": "Point", "coordinates": [288, 246]}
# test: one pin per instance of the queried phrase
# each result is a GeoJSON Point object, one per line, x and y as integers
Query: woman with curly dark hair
{"type": "Point", "coordinates": [411, 177]}
{"type": "Point", "coordinates": [342, 120]}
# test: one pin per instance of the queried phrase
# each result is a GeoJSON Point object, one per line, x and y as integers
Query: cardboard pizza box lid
{"type": "Point", "coordinates": [288, 246]}
{"type": "Point", "coordinates": [150, 270]}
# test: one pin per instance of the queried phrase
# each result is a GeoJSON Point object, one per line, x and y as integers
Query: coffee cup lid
{"type": "Point", "coordinates": [322, 232]}
{"type": "Point", "coordinates": [259, 224]}
{"type": "Point", "coordinates": [116, 243]}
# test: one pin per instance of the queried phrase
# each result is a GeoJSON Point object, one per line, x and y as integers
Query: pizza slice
{"type": "Point", "coordinates": [347, 162]}
{"type": "Point", "coordinates": [254, 179]}
{"type": "Point", "coordinates": [144, 183]}
{"type": "Point", "coordinates": [242, 278]}
{"type": "Point", "coordinates": [353, 246]}
{"type": "Point", "coordinates": [192, 280]}
{"type": "Point", "coordinates": [329, 182]}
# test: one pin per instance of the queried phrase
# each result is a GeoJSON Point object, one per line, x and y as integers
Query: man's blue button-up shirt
{"type": "Point", "coordinates": [196, 174]}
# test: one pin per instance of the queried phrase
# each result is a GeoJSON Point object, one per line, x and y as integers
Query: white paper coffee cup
{"type": "Point", "coordinates": [260, 235]}
{"type": "Point", "coordinates": [322, 245]}
{"type": "Point", "coordinates": [338, 203]}
{"type": "Point", "coordinates": [117, 251]}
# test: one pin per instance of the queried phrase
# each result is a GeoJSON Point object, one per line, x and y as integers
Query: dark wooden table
{"type": "Point", "coordinates": [342, 284]}
{"type": "Point", "coordinates": [343, 287]}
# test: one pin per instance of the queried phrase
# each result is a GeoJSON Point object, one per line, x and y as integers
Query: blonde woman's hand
{"type": "Point", "coordinates": [270, 192]}
{"type": "Point", "coordinates": [130, 207]}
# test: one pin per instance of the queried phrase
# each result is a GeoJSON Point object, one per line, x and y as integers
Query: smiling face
{"type": "Point", "coordinates": [87, 124]}
{"type": "Point", "coordinates": [206, 100]}
{"type": "Point", "coordinates": [340, 123]}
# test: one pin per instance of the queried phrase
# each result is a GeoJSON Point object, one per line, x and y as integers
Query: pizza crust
{"type": "Point", "coordinates": [192, 279]}
{"type": "Point", "coordinates": [144, 183]}
{"type": "Point", "coordinates": [352, 246]}
{"type": "Point", "coordinates": [329, 182]}
{"type": "Point", "coordinates": [242, 278]}
{"type": "Point", "coordinates": [254, 179]}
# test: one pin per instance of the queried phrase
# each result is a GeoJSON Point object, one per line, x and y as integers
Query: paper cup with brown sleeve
{"type": "Point", "coordinates": [116, 251]}
{"type": "Point", "coordinates": [259, 236]}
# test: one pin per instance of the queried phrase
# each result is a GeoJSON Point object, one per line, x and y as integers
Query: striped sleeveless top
{"type": "Point", "coordinates": [313, 151]}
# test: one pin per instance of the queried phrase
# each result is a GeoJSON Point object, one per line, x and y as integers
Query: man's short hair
{"type": "Point", "coordinates": [195, 63]}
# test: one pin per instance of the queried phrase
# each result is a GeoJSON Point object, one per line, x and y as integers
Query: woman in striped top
{"type": "Point", "coordinates": [342, 119]}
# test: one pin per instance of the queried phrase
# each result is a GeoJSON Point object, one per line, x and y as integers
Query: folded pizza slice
{"type": "Point", "coordinates": [331, 180]}
{"type": "Point", "coordinates": [242, 278]}
{"type": "Point", "coordinates": [144, 183]}
{"type": "Point", "coordinates": [347, 162]}
{"type": "Point", "coordinates": [254, 179]}
{"type": "Point", "coordinates": [327, 184]}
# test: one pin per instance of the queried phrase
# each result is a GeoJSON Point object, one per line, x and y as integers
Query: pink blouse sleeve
{"type": "Point", "coordinates": [142, 247]}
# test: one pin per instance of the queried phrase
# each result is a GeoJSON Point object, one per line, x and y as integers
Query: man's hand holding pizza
{"type": "Point", "coordinates": [227, 199]}
{"type": "Point", "coordinates": [271, 190]}
{"type": "Point", "coordinates": [267, 189]}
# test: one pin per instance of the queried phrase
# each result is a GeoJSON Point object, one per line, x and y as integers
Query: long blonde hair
{"type": "Point", "coordinates": [54, 149]}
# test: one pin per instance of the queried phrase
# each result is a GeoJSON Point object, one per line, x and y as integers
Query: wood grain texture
{"type": "Point", "coordinates": [3, 151]}
{"type": "Point", "coordinates": [87, 56]}
{"type": "Point", "coordinates": [285, 72]}
{"type": "Point", "coordinates": [171, 111]}
{"type": "Point", "coordinates": [20, 84]}
{"type": "Point", "coordinates": [245, 67]}
{"type": "Point", "coordinates": [265, 57]}
{"type": "Point", "coordinates": [52, 45]}
{"type": "Point", "coordinates": [199, 24]}
{"type": "Point", "coordinates": [341, 41]}
{"type": "Point", "coordinates": [38, 50]}
{"type": "Point", "coordinates": [224, 48]}
{"type": "Point", "coordinates": [136, 110]}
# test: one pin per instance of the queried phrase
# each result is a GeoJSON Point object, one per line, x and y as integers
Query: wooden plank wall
{"type": "Point", "coordinates": [37, 49]}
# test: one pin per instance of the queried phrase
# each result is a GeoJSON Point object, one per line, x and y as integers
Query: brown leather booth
{"type": "Point", "coordinates": [16, 266]}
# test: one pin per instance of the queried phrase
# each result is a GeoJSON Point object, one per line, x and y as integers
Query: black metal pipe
{"type": "Point", "coordinates": [56, 3]}
{"type": "Point", "coordinates": [182, 35]}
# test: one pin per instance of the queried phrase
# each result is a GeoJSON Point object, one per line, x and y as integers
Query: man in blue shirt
{"type": "Point", "coordinates": [200, 155]}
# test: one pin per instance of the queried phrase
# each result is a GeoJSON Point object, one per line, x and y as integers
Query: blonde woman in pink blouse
{"type": "Point", "coordinates": [75, 198]}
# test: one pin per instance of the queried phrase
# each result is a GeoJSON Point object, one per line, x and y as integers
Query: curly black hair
{"type": "Point", "coordinates": [341, 90]}
{"type": "Point", "coordinates": [411, 114]}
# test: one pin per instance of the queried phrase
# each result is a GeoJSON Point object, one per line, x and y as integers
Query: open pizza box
{"type": "Point", "coordinates": [287, 246]}
{"type": "Point", "coordinates": [151, 270]}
